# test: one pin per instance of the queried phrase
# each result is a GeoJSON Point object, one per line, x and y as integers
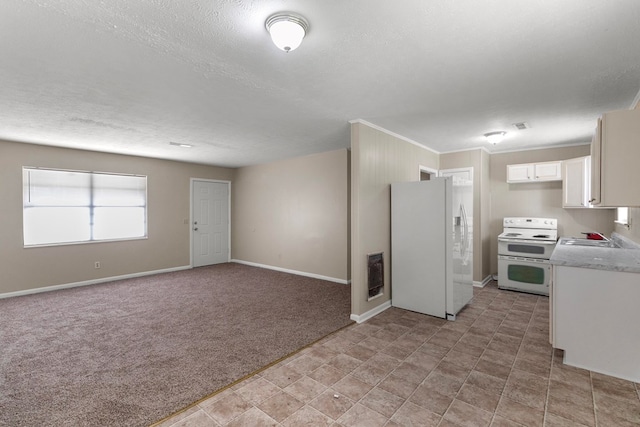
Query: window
{"type": "Point", "coordinates": [622, 216]}
{"type": "Point", "coordinates": [63, 207]}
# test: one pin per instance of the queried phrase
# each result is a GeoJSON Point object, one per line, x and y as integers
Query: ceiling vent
{"type": "Point", "coordinates": [521, 126]}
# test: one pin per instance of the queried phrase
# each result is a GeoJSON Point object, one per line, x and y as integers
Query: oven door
{"type": "Point", "coordinates": [524, 274]}
{"type": "Point", "coordinates": [526, 248]}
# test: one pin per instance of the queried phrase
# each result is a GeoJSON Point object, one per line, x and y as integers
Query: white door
{"type": "Point", "coordinates": [210, 222]}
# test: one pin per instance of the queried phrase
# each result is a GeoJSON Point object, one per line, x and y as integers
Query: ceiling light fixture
{"type": "Point", "coordinates": [287, 30]}
{"type": "Point", "coordinates": [495, 137]}
{"type": "Point", "coordinates": [178, 144]}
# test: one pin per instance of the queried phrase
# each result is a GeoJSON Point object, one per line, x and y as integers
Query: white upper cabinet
{"type": "Point", "coordinates": [615, 160]}
{"type": "Point", "coordinates": [548, 171]}
{"type": "Point", "coordinates": [519, 173]}
{"type": "Point", "coordinates": [534, 172]}
{"type": "Point", "coordinates": [576, 182]}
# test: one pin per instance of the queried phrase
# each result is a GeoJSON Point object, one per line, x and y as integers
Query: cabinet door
{"type": "Point", "coordinates": [596, 147]}
{"type": "Point", "coordinates": [619, 154]}
{"type": "Point", "coordinates": [519, 173]}
{"type": "Point", "coordinates": [575, 182]}
{"type": "Point", "coordinates": [548, 171]}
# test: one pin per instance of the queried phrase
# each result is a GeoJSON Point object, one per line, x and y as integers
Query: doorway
{"type": "Point", "coordinates": [209, 222]}
{"type": "Point", "coordinates": [427, 173]}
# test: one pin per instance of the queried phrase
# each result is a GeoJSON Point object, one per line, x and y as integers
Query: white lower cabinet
{"type": "Point", "coordinates": [595, 320]}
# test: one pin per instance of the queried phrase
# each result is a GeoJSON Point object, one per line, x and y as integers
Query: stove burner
{"type": "Point", "coordinates": [541, 236]}
{"type": "Point", "coordinates": [512, 234]}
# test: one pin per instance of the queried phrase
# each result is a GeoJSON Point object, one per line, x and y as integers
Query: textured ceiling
{"type": "Point", "coordinates": [131, 76]}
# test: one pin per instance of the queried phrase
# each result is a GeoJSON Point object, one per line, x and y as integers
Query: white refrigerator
{"type": "Point", "coordinates": [431, 246]}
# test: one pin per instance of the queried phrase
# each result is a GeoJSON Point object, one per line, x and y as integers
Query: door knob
{"type": "Point", "coordinates": [195, 229]}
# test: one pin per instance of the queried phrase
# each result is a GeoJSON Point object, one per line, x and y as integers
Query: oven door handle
{"type": "Point", "coordinates": [514, 258]}
{"type": "Point", "coordinates": [539, 242]}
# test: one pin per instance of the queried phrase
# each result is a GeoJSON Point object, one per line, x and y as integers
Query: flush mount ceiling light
{"type": "Point", "coordinates": [178, 144]}
{"type": "Point", "coordinates": [495, 137]}
{"type": "Point", "coordinates": [287, 30]}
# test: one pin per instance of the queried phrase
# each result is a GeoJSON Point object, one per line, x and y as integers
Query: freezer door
{"type": "Point", "coordinates": [419, 255]}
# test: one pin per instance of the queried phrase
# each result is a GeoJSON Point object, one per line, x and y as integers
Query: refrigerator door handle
{"type": "Point", "coordinates": [465, 232]}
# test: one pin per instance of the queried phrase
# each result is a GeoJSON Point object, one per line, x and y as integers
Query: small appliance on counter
{"type": "Point", "coordinates": [524, 249]}
{"type": "Point", "coordinates": [594, 236]}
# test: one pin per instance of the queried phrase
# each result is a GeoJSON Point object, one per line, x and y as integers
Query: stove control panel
{"type": "Point", "coordinates": [523, 222]}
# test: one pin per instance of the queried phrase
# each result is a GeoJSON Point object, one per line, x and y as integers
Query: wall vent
{"type": "Point", "coordinates": [521, 125]}
{"type": "Point", "coordinates": [375, 274]}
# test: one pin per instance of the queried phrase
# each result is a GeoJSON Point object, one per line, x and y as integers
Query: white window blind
{"type": "Point", "coordinates": [62, 206]}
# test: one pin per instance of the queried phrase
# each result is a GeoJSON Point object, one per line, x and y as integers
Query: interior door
{"type": "Point", "coordinates": [210, 222]}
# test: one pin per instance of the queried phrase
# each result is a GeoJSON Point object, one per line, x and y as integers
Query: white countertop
{"type": "Point", "coordinates": [626, 258]}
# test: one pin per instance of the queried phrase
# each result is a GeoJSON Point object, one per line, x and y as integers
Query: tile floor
{"type": "Point", "coordinates": [493, 366]}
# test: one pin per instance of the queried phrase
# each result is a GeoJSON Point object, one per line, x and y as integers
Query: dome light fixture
{"type": "Point", "coordinates": [495, 137]}
{"type": "Point", "coordinates": [287, 30]}
{"type": "Point", "coordinates": [180, 144]}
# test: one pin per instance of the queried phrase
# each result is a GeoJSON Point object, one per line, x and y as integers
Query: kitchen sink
{"type": "Point", "coordinates": [588, 242]}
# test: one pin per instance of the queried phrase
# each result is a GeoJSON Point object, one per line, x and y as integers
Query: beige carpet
{"type": "Point", "coordinates": [129, 353]}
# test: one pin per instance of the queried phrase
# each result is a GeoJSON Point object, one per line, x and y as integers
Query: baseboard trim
{"type": "Point", "coordinates": [359, 318]}
{"type": "Point", "coordinates": [483, 283]}
{"type": "Point", "coordinates": [91, 282]}
{"type": "Point", "coordinates": [299, 273]}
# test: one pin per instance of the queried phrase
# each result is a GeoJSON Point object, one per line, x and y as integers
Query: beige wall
{"type": "Point", "coordinates": [479, 160]}
{"type": "Point", "coordinates": [168, 206]}
{"type": "Point", "coordinates": [543, 199]}
{"type": "Point", "coordinates": [293, 214]}
{"type": "Point", "coordinates": [377, 160]}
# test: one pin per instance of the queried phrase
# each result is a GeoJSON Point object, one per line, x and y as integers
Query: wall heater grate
{"type": "Point", "coordinates": [375, 274]}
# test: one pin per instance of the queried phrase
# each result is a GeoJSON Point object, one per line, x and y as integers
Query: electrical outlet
{"type": "Point", "coordinates": [97, 264]}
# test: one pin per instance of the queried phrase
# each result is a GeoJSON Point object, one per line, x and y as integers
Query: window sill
{"type": "Point", "coordinates": [48, 245]}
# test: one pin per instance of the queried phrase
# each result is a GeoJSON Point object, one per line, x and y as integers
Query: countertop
{"type": "Point", "coordinates": [625, 258]}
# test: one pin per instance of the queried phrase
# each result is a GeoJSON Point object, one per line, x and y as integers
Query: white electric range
{"type": "Point", "coordinates": [524, 249]}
